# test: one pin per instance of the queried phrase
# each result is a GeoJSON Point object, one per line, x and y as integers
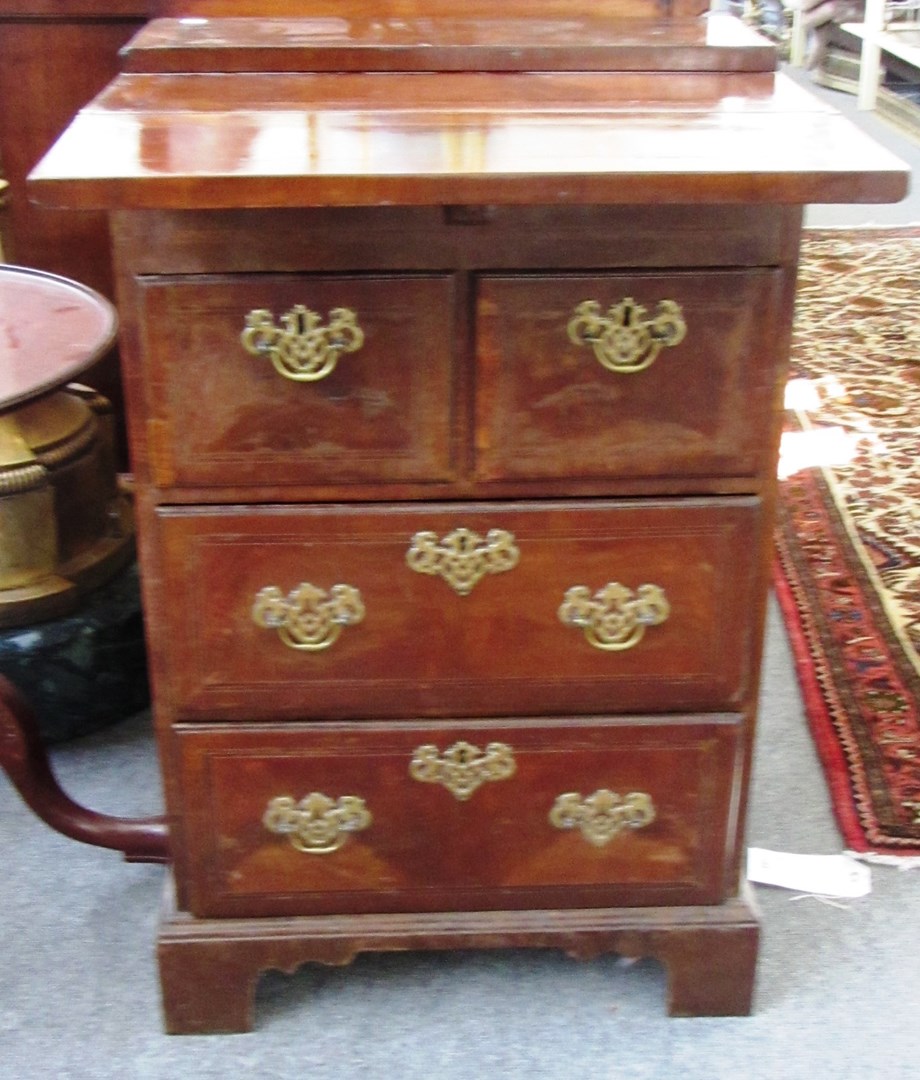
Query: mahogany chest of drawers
{"type": "Point", "coordinates": [454, 405]}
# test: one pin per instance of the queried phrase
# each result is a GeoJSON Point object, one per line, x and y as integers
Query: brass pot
{"type": "Point", "coordinates": [64, 525]}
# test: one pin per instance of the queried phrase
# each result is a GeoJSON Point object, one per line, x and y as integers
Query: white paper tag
{"type": "Point", "coordinates": [823, 875]}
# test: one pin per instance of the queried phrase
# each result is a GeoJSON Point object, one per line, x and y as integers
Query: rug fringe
{"type": "Point", "coordinates": [900, 862]}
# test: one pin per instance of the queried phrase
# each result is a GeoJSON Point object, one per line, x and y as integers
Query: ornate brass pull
{"type": "Point", "coordinates": [301, 348]}
{"type": "Point", "coordinates": [626, 340]}
{"type": "Point", "coordinates": [317, 824]}
{"type": "Point", "coordinates": [614, 618]}
{"type": "Point", "coordinates": [463, 557]}
{"type": "Point", "coordinates": [600, 816]}
{"type": "Point", "coordinates": [462, 768]}
{"type": "Point", "coordinates": [308, 617]}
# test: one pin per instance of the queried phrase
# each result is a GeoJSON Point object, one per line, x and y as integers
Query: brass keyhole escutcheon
{"type": "Point", "coordinates": [302, 348]}
{"type": "Point", "coordinates": [462, 768]}
{"type": "Point", "coordinates": [463, 557]}
{"type": "Point", "coordinates": [625, 339]}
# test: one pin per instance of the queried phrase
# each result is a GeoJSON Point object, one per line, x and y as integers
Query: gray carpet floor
{"type": "Point", "coordinates": [838, 988]}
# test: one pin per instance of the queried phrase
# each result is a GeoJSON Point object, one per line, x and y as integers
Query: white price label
{"type": "Point", "coordinates": [823, 875]}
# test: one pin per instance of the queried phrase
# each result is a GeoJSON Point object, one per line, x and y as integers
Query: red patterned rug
{"type": "Point", "coordinates": [848, 534]}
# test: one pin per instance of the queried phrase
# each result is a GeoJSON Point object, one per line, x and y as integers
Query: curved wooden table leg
{"type": "Point", "coordinates": [25, 761]}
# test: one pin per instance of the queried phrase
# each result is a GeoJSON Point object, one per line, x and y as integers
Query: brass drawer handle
{"type": "Point", "coordinates": [462, 558]}
{"type": "Point", "coordinates": [601, 816]}
{"type": "Point", "coordinates": [462, 768]}
{"type": "Point", "coordinates": [317, 824]}
{"type": "Point", "coordinates": [301, 348]}
{"type": "Point", "coordinates": [308, 617]}
{"type": "Point", "coordinates": [614, 618]}
{"type": "Point", "coordinates": [626, 340]}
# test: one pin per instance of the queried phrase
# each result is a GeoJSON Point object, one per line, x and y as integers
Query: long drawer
{"type": "Point", "coordinates": [309, 819]}
{"type": "Point", "coordinates": [438, 610]}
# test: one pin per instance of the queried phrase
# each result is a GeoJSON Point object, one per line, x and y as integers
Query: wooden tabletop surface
{"type": "Point", "coordinates": [265, 140]}
{"type": "Point", "coordinates": [363, 40]}
{"type": "Point", "coordinates": [51, 329]}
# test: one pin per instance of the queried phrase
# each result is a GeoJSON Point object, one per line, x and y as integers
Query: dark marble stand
{"type": "Point", "coordinates": [86, 670]}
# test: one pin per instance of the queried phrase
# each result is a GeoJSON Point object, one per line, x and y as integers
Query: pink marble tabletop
{"type": "Point", "coordinates": [50, 330]}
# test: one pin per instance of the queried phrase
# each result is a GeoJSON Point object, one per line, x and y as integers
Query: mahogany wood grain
{"type": "Point", "coordinates": [209, 967]}
{"type": "Point", "coordinates": [433, 9]}
{"type": "Point", "coordinates": [491, 195]}
{"type": "Point", "coordinates": [547, 407]}
{"type": "Point", "coordinates": [458, 236]}
{"type": "Point", "coordinates": [426, 850]}
{"type": "Point", "coordinates": [220, 416]}
{"type": "Point", "coordinates": [183, 251]}
{"type": "Point", "coordinates": [255, 140]}
{"type": "Point", "coordinates": [422, 648]}
{"type": "Point", "coordinates": [544, 406]}
{"type": "Point", "coordinates": [376, 42]}
{"type": "Point", "coordinates": [77, 9]}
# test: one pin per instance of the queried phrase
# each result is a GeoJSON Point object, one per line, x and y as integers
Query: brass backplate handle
{"type": "Point", "coordinates": [301, 347]}
{"type": "Point", "coordinates": [602, 816]}
{"type": "Point", "coordinates": [308, 617]}
{"type": "Point", "coordinates": [463, 557]}
{"type": "Point", "coordinates": [625, 339]}
{"type": "Point", "coordinates": [316, 824]}
{"type": "Point", "coordinates": [615, 617]}
{"type": "Point", "coordinates": [462, 768]}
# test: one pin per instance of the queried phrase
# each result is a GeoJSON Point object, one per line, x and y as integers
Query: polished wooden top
{"type": "Point", "coordinates": [434, 9]}
{"type": "Point", "coordinates": [77, 9]}
{"type": "Point", "coordinates": [51, 329]}
{"type": "Point", "coordinates": [267, 140]}
{"type": "Point", "coordinates": [500, 42]}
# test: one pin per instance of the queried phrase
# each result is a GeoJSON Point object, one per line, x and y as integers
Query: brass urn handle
{"type": "Point", "coordinates": [602, 816]}
{"type": "Point", "coordinates": [614, 618]}
{"type": "Point", "coordinates": [462, 557]}
{"type": "Point", "coordinates": [462, 768]}
{"type": "Point", "coordinates": [316, 824]}
{"type": "Point", "coordinates": [626, 339]}
{"type": "Point", "coordinates": [302, 348]}
{"type": "Point", "coordinates": [308, 617]}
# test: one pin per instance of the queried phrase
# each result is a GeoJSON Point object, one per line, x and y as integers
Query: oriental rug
{"type": "Point", "coordinates": [848, 533]}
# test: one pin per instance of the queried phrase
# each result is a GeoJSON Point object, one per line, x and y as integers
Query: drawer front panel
{"type": "Point", "coordinates": [543, 814]}
{"type": "Point", "coordinates": [365, 395]}
{"type": "Point", "coordinates": [682, 381]}
{"type": "Point", "coordinates": [319, 612]}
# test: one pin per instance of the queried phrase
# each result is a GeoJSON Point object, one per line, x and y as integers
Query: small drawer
{"type": "Point", "coordinates": [295, 379]}
{"type": "Point", "coordinates": [462, 816]}
{"type": "Point", "coordinates": [627, 375]}
{"type": "Point", "coordinates": [436, 610]}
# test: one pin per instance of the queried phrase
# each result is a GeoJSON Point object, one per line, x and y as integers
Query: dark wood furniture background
{"type": "Point", "coordinates": [375, 597]}
{"type": "Point", "coordinates": [55, 55]}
